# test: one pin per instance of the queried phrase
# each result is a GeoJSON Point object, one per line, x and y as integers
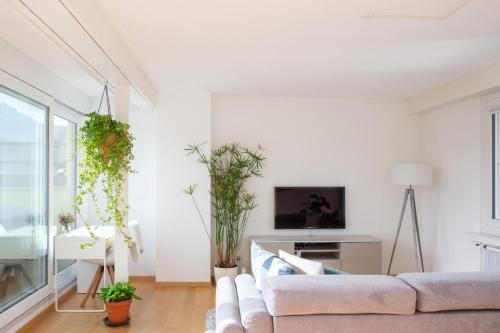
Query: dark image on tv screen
{"type": "Point", "coordinates": [309, 207]}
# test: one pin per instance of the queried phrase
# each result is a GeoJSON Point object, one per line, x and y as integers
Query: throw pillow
{"type": "Point", "coordinates": [309, 267]}
{"type": "Point", "coordinates": [328, 270]}
{"type": "Point", "coordinates": [266, 264]}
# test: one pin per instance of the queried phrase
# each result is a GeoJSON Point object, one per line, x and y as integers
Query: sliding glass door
{"type": "Point", "coordinates": [64, 172]}
{"type": "Point", "coordinates": [23, 197]}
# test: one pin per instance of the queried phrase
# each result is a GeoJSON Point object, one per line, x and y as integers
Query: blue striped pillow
{"type": "Point", "coordinates": [266, 264]}
{"type": "Point", "coordinates": [329, 270]}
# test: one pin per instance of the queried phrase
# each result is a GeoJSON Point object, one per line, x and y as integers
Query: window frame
{"type": "Point", "coordinates": [60, 109]}
{"type": "Point", "coordinates": [40, 97]}
{"type": "Point", "coordinates": [490, 221]}
{"type": "Point", "coordinates": [68, 113]}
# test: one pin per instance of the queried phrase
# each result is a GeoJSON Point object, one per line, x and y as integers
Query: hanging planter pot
{"type": "Point", "coordinates": [109, 144]}
{"type": "Point", "coordinates": [106, 147]}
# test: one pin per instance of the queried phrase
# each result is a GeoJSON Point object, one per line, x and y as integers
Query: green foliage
{"type": "Point", "coordinates": [106, 145]}
{"type": "Point", "coordinates": [230, 167]}
{"type": "Point", "coordinates": [120, 291]}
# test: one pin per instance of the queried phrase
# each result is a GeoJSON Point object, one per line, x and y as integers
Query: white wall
{"type": "Point", "coordinates": [452, 144]}
{"type": "Point", "coordinates": [183, 250]}
{"type": "Point", "coordinates": [142, 188]}
{"type": "Point", "coordinates": [326, 143]}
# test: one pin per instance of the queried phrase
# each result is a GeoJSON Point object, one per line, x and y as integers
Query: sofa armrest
{"type": "Point", "coordinates": [254, 315]}
{"type": "Point", "coordinates": [227, 314]}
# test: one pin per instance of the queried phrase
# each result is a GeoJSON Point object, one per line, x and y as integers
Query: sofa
{"type": "Point", "coordinates": [411, 302]}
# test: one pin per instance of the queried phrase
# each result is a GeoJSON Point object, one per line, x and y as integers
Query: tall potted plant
{"type": "Point", "coordinates": [230, 167]}
{"type": "Point", "coordinates": [106, 145]}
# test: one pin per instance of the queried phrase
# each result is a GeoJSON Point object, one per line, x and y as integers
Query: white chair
{"type": "Point", "coordinates": [137, 247]}
{"type": "Point", "coordinates": [136, 250]}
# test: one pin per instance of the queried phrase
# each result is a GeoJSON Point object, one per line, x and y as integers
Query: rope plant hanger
{"type": "Point", "coordinates": [106, 147]}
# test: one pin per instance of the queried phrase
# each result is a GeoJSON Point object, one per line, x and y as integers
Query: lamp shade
{"type": "Point", "coordinates": [412, 174]}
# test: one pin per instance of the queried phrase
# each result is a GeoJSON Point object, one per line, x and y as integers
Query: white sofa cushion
{"type": "Point", "coordinates": [309, 267]}
{"type": "Point", "coordinates": [337, 294]}
{"type": "Point", "coordinates": [455, 291]}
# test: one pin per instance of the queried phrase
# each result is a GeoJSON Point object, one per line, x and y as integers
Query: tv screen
{"type": "Point", "coordinates": [309, 207]}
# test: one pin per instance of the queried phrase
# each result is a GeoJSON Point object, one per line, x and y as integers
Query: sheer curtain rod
{"type": "Point", "coordinates": [97, 44]}
{"type": "Point", "coordinates": [43, 92]}
{"type": "Point", "coordinates": [106, 55]}
{"type": "Point", "coordinates": [95, 70]}
{"type": "Point", "coordinates": [492, 248]}
{"type": "Point", "coordinates": [26, 82]}
{"type": "Point", "coordinates": [70, 108]}
{"type": "Point", "coordinates": [103, 78]}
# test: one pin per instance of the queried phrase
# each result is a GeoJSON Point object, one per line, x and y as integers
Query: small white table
{"type": "Point", "coordinates": [68, 246]}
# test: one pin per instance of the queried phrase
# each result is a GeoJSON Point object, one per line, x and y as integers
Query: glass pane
{"type": "Point", "coordinates": [23, 198]}
{"type": "Point", "coordinates": [495, 118]}
{"type": "Point", "coordinates": [64, 175]}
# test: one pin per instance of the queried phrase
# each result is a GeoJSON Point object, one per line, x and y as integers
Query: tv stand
{"type": "Point", "coordinates": [352, 254]}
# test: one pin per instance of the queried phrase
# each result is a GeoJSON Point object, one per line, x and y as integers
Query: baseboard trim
{"type": "Point", "coordinates": [183, 283]}
{"type": "Point", "coordinates": [148, 278]}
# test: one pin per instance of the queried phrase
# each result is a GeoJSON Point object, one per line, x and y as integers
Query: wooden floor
{"type": "Point", "coordinates": [163, 309]}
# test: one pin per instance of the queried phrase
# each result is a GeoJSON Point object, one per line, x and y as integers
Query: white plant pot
{"type": "Point", "coordinates": [221, 272]}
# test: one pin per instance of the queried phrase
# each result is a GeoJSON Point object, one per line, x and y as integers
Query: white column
{"type": "Point", "coordinates": [120, 248]}
{"type": "Point", "coordinates": [183, 118]}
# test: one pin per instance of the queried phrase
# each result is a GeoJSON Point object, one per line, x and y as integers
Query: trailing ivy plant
{"type": "Point", "coordinates": [106, 147]}
{"type": "Point", "coordinates": [230, 167]}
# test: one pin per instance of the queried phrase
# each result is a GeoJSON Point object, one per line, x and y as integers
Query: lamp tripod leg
{"type": "Point", "coordinates": [405, 200]}
{"type": "Point", "coordinates": [420, 258]}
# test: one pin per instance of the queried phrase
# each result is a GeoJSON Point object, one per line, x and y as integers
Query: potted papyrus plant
{"type": "Point", "coordinates": [230, 167]}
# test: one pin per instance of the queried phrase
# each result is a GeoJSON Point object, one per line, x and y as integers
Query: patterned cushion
{"type": "Point", "coordinates": [309, 267]}
{"type": "Point", "coordinates": [266, 264]}
{"type": "Point", "coordinates": [329, 270]}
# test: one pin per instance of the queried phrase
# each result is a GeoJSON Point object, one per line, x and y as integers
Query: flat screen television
{"type": "Point", "coordinates": [309, 207]}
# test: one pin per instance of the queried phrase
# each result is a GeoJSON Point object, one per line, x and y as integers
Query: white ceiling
{"type": "Point", "coordinates": [321, 48]}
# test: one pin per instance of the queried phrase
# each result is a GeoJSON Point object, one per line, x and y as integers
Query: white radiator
{"type": "Point", "coordinates": [490, 258]}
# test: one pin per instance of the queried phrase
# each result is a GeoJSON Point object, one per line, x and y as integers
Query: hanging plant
{"type": "Point", "coordinates": [106, 147]}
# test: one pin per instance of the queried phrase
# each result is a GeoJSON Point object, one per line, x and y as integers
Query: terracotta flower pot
{"type": "Point", "coordinates": [118, 311]}
{"type": "Point", "coordinates": [110, 143]}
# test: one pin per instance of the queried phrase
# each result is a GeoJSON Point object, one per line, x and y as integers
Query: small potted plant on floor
{"type": "Point", "coordinates": [118, 298]}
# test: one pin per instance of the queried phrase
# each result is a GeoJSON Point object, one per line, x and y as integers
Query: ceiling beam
{"type": "Point", "coordinates": [478, 83]}
{"type": "Point", "coordinates": [84, 32]}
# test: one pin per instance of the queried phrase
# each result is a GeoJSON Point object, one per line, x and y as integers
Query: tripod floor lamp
{"type": "Point", "coordinates": [410, 175]}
